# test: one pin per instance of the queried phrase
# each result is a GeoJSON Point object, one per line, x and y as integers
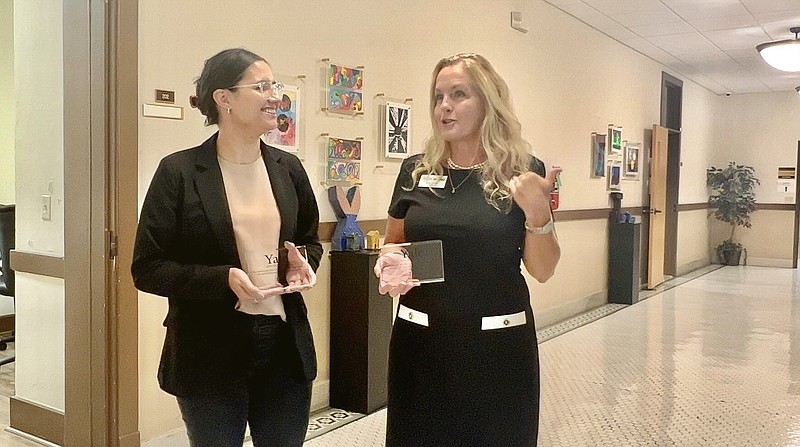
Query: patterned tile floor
{"type": "Point", "coordinates": [712, 359]}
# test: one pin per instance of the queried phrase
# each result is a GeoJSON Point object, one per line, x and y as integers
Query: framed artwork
{"type": "Point", "coordinates": [397, 130]}
{"type": "Point", "coordinates": [344, 86]}
{"type": "Point", "coordinates": [343, 170]}
{"type": "Point", "coordinates": [344, 157]}
{"type": "Point", "coordinates": [286, 135]}
{"type": "Point", "coordinates": [631, 161]}
{"type": "Point", "coordinates": [614, 176]}
{"type": "Point", "coordinates": [344, 149]}
{"type": "Point", "coordinates": [598, 155]}
{"type": "Point", "coordinates": [615, 140]}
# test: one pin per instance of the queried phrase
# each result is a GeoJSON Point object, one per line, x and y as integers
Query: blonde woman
{"type": "Point", "coordinates": [463, 365]}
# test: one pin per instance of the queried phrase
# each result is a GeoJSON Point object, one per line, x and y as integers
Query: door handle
{"type": "Point", "coordinates": [655, 211]}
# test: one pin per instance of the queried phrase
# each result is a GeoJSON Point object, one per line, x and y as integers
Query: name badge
{"type": "Point", "coordinates": [432, 181]}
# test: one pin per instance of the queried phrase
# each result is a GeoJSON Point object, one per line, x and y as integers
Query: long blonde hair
{"type": "Point", "coordinates": [507, 153]}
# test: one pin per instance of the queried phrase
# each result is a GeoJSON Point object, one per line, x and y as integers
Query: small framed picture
{"type": "Point", "coordinates": [344, 85]}
{"type": "Point", "coordinates": [344, 160]}
{"type": "Point", "coordinates": [614, 177]}
{"type": "Point", "coordinates": [631, 161]}
{"type": "Point", "coordinates": [397, 130]}
{"type": "Point", "coordinates": [615, 140]}
{"type": "Point", "coordinates": [286, 135]}
{"type": "Point", "coordinates": [598, 155]}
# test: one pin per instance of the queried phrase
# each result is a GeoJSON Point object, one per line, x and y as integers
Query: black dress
{"type": "Point", "coordinates": [450, 382]}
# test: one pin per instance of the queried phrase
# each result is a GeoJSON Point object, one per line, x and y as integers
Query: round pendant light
{"type": "Point", "coordinates": [782, 54]}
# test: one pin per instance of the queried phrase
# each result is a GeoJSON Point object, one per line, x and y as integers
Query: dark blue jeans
{"type": "Point", "coordinates": [274, 400]}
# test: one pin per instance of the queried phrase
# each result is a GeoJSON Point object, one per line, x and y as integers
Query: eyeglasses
{"type": "Point", "coordinates": [275, 88]}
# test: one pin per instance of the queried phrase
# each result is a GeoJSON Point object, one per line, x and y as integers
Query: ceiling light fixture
{"type": "Point", "coordinates": [782, 54]}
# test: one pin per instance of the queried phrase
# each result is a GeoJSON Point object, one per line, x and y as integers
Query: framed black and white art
{"type": "Point", "coordinates": [397, 130]}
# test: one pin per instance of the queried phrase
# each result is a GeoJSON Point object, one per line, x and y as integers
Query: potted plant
{"type": "Point", "coordinates": [733, 200]}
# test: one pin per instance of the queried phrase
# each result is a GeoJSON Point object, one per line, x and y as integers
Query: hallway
{"type": "Point", "coordinates": [713, 361]}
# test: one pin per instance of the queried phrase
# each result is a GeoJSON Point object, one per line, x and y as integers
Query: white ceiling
{"type": "Point", "coordinates": [711, 42]}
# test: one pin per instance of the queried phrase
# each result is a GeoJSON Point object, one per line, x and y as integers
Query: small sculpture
{"type": "Point", "coordinates": [373, 240]}
{"type": "Point", "coordinates": [348, 235]}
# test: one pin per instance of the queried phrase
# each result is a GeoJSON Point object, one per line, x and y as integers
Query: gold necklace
{"type": "Point", "coordinates": [451, 164]}
{"type": "Point", "coordinates": [453, 186]}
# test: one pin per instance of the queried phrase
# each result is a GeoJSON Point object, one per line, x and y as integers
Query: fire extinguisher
{"type": "Point", "coordinates": [554, 193]}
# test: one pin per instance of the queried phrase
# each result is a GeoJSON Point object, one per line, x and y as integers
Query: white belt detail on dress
{"type": "Point", "coordinates": [503, 321]}
{"type": "Point", "coordinates": [412, 316]}
{"type": "Point", "coordinates": [487, 323]}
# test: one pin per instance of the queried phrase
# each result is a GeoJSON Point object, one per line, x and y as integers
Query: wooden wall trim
{"type": "Point", "coordinates": [37, 264]}
{"type": "Point", "coordinates": [692, 206]}
{"type": "Point", "coordinates": [37, 420]}
{"type": "Point", "coordinates": [6, 323]}
{"type": "Point", "coordinates": [326, 228]}
{"type": "Point", "coordinates": [325, 231]}
{"type": "Point", "coordinates": [776, 206]}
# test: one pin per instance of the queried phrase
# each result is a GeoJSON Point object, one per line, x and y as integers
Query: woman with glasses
{"type": "Point", "coordinates": [219, 235]}
{"type": "Point", "coordinates": [463, 361]}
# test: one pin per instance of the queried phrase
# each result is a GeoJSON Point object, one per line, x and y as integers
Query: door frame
{"type": "Point", "coordinates": [101, 318]}
{"type": "Point", "coordinates": [796, 239]}
{"type": "Point", "coordinates": [672, 119]}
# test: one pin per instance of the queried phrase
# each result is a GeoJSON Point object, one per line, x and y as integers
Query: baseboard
{"type": "Point", "coordinates": [556, 314]}
{"type": "Point", "coordinates": [769, 262]}
{"type": "Point", "coordinates": [320, 395]}
{"type": "Point", "coordinates": [130, 440]}
{"type": "Point", "coordinates": [37, 420]}
{"type": "Point", "coordinates": [692, 266]}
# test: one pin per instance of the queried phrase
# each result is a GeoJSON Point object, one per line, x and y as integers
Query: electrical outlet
{"type": "Point", "coordinates": [46, 207]}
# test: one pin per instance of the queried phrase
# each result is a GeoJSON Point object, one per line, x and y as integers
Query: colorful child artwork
{"type": "Point", "coordinates": [598, 155]}
{"type": "Point", "coordinates": [344, 170]}
{"type": "Point", "coordinates": [344, 149]}
{"type": "Point", "coordinates": [344, 89]}
{"type": "Point", "coordinates": [397, 125]}
{"type": "Point", "coordinates": [614, 177]}
{"type": "Point", "coordinates": [285, 136]}
{"type": "Point", "coordinates": [615, 140]}
{"type": "Point", "coordinates": [341, 76]}
{"type": "Point", "coordinates": [344, 101]}
{"type": "Point", "coordinates": [631, 162]}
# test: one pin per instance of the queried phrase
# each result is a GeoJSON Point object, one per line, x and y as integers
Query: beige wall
{"type": "Point", "coordinates": [761, 130]}
{"type": "Point", "coordinates": [567, 81]}
{"type": "Point", "coordinates": [7, 101]}
{"type": "Point", "coordinates": [6, 117]}
{"type": "Point", "coordinates": [39, 135]}
{"type": "Point", "coordinates": [768, 242]}
{"type": "Point", "coordinates": [693, 248]}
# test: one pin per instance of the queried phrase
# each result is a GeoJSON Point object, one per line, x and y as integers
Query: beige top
{"type": "Point", "coordinates": [256, 226]}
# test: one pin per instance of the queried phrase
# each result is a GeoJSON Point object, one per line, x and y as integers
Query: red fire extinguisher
{"type": "Point", "coordinates": [554, 193]}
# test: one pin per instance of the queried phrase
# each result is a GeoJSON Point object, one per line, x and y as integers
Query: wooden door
{"type": "Point", "coordinates": [658, 203]}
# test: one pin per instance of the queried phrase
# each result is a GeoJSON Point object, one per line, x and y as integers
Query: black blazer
{"type": "Point", "coordinates": [184, 248]}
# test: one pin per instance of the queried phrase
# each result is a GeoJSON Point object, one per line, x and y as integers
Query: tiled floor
{"type": "Point", "coordinates": [710, 360]}
{"type": "Point", "coordinates": [714, 361]}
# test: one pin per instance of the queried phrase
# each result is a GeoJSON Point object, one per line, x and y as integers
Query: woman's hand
{"type": "Point", "coordinates": [246, 291]}
{"type": "Point", "coordinates": [531, 191]}
{"type": "Point", "coordinates": [393, 268]}
{"type": "Point", "coordinates": [299, 275]}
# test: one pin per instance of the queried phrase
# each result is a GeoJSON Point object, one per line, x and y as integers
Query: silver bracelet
{"type": "Point", "coordinates": [545, 229]}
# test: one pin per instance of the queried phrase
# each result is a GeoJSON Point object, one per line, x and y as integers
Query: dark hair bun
{"type": "Point", "coordinates": [194, 102]}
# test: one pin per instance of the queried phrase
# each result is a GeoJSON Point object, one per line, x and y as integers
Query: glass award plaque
{"type": "Point", "coordinates": [283, 262]}
{"type": "Point", "coordinates": [427, 263]}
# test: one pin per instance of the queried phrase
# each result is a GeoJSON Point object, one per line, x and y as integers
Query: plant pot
{"type": "Point", "coordinates": [731, 257]}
